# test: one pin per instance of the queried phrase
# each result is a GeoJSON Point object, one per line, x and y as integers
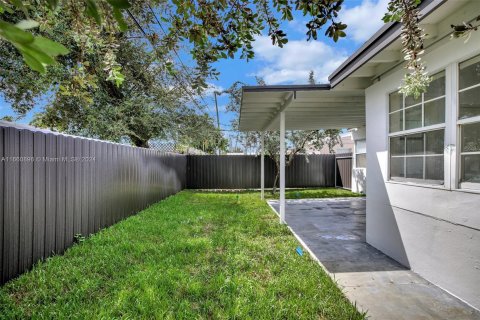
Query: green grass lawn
{"type": "Point", "coordinates": [313, 193]}
{"type": "Point", "coordinates": [195, 255]}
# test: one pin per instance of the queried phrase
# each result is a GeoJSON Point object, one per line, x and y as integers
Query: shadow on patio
{"type": "Point", "coordinates": [334, 230]}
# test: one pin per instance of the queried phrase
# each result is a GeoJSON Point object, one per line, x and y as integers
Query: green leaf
{"type": "Point", "coordinates": [5, 8]}
{"type": "Point", "coordinates": [27, 24]}
{"type": "Point", "coordinates": [36, 53]}
{"type": "Point", "coordinates": [33, 63]}
{"type": "Point", "coordinates": [92, 11]}
{"type": "Point", "coordinates": [18, 4]}
{"type": "Point", "coordinates": [52, 4]}
{"type": "Point", "coordinates": [116, 75]}
{"type": "Point", "coordinates": [122, 24]}
{"type": "Point", "coordinates": [50, 47]}
{"type": "Point", "coordinates": [119, 4]}
{"type": "Point", "coordinates": [14, 34]}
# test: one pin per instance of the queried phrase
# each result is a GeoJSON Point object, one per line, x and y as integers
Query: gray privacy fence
{"type": "Point", "coordinates": [344, 170]}
{"type": "Point", "coordinates": [243, 172]}
{"type": "Point", "coordinates": [53, 187]}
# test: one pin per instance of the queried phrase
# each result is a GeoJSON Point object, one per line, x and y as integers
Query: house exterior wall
{"type": "Point", "coordinates": [434, 230]}
{"type": "Point", "coordinates": [359, 175]}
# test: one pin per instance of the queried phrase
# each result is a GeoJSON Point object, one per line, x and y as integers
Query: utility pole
{"type": "Point", "coordinates": [216, 107]}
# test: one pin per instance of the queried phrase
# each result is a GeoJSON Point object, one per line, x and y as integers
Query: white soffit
{"type": "Point", "coordinates": [306, 107]}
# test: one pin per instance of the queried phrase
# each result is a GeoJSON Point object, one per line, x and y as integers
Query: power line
{"type": "Point", "coordinates": [174, 50]}
{"type": "Point", "coordinates": [153, 46]}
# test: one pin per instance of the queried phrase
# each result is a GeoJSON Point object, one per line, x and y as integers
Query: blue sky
{"type": "Point", "coordinates": [292, 63]}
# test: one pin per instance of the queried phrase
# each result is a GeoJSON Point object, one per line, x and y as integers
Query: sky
{"type": "Point", "coordinates": [290, 64]}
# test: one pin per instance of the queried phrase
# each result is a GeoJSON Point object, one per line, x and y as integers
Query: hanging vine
{"type": "Point", "coordinates": [416, 81]}
{"type": "Point", "coordinates": [465, 30]}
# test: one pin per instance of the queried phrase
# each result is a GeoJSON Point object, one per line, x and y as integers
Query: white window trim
{"type": "Point", "coordinates": [424, 156]}
{"type": "Point", "coordinates": [452, 127]}
{"type": "Point", "coordinates": [357, 153]}
{"type": "Point", "coordinates": [422, 129]}
{"type": "Point", "coordinates": [462, 186]}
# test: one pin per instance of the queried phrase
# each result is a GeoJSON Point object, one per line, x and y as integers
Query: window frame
{"type": "Point", "coordinates": [422, 129]}
{"type": "Point", "coordinates": [360, 153]}
{"type": "Point", "coordinates": [465, 186]}
{"type": "Point", "coordinates": [424, 156]}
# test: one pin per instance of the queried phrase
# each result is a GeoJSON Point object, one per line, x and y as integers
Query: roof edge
{"type": "Point", "coordinates": [379, 41]}
{"type": "Point", "coordinates": [293, 87]}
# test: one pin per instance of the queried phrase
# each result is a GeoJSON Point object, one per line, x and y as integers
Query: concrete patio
{"type": "Point", "coordinates": [333, 231]}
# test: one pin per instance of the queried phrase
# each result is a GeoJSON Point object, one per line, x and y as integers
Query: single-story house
{"type": "Point", "coordinates": [422, 155]}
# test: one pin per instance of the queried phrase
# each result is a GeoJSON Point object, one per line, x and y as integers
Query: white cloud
{"type": "Point", "coordinates": [364, 19]}
{"type": "Point", "coordinates": [293, 62]}
{"type": "Point", "coordinates": [298, 26]}
{"type": "Point", "coordinates": [211, 88]}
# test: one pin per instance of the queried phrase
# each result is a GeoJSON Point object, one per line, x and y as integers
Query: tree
{"type": "Point", "coordinates": [76, 46]}
{"type": "Point", "coordinates": [297, 141]}
{"type": "Point", "coordinates": [214, 29]}
{"type": "Point", "coordinates": [199, 132]}
{"type": "Point", "coordinates": [82, 100]}
{"type": "Point", "coordinates": [311, 77]}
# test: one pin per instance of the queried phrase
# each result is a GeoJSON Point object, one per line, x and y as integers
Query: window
{"type": "Point", "coordinates": [469, 121]}
{"type": "Point", "coordinates": [417, 134]}
{"type": "Point", "coordinates": [407, 113]}
{"type": "Point", "coordinates": [360, 154]}
{"type": "Point", "coordinates": [417, 157]}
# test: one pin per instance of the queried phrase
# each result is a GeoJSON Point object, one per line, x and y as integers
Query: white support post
{"type": "Point", "coordinates": [262, 167]}
{"type": "Point", "coordinates": [282, 167]}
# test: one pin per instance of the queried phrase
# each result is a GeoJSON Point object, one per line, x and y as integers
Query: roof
{"type": "Point", "coordinates": [341, 103]}
{"type": "Point", "coordinates": [379, 41]}
{"type": "Point", "coordinates": [307, 107]}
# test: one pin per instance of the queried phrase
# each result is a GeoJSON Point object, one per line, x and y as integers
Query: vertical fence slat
{"type": "Point", "coordinates": [91, 187]}
{"type": "Point", "coordinates": [61, 196]}
{"type": "Point", "coordinates": [70, 184]}
{"type": "Point", "coordinates": [2, 183]}
{"type": "Point", "coordinates": [50, 192]}
{"type": "Point", "coordinates": [39, 197]}
{"type": "Point", "coordinates": [85, 176]}
{"type": "Point", "coordinates": [78, 191]}
{"type": "Point", "coordinates": [11, 203]}
{"type": "Point", "coordinates": [26, 201]}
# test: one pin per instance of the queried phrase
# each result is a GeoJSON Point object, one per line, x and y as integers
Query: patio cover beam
{"type": "Point", "coordinates": [283, 106]}
{"type": "Point", "coordinates": [298, 107]}
{"type": "Point", "coordinates": [306, 107]}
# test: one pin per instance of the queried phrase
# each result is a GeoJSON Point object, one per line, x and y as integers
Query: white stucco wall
{"type": "Point", "coordinates": [433, 230]}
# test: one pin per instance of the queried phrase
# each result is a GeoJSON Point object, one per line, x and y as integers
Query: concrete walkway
{"type": "Point", "coordinates": [333, 230]}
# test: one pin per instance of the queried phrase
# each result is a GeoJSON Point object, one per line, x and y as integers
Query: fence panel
{"type": "Point", "coordinates": [54, 186]}
{"type": "Point", "coordinates": [2, 183]}
{"type": "Point", "coordinates": [344, 170]}
{"type": "Point", "coordinates": [243, 172]}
